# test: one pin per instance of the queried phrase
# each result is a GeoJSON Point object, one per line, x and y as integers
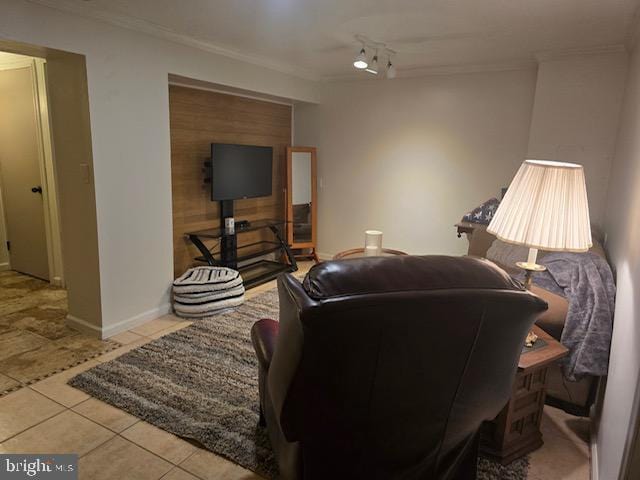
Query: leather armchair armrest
{"type": "Point", "coordinates": [264, 334]}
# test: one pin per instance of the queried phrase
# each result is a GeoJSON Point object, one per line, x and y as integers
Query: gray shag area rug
{"type": "Point", "coordinates": [201, 383]}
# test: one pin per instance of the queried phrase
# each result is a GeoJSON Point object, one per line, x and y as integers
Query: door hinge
{"type": "Point", "coordinates": [8, 245]}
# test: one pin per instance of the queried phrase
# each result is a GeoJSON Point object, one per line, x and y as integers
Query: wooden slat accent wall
{"type": "Point", "coordinates": [198, 119]}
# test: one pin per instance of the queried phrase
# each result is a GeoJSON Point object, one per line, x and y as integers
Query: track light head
{"type": "Point", "coordinates": [360, 62]}
{"type": "Point", "coordinates": [373, 66]}
{"type": "Point", "coordinates": [391, 70]}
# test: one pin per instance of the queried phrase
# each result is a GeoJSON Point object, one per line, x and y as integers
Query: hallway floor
{"type": "Point", "coordinates": [34, 340]}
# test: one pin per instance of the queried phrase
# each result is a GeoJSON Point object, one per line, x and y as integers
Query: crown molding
{"type": "Point", "coordinates": [489, 67]}
{"type": "Point", "coordinates": [159, 31]}
{"type": "Point", "coordinates": [139, 25]}
{"type": "Point", "coordinates": [551, 55]}
{"type": "Point", "coordinates": [438, 70]}
{"type": "Point", "coordinates": [467, 68]}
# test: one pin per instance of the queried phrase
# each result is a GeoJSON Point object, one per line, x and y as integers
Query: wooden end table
{"type": "Point", "coordinates": [516, 430]}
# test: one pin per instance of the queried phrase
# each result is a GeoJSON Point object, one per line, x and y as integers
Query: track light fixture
{"type": "Point", "coordinates": [360, 61]}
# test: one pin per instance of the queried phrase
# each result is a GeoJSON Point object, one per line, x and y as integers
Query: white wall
{"type": "Point", "coordinates": [575, 117]}
{"type": "Point", "coordinates": [410, 156]}
{"type": "Point", "coordinates": [620, 405]}
{"type": "Point", "coordinates": [128, 93]}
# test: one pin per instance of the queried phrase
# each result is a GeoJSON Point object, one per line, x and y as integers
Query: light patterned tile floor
{"type": "Point", "coordinates": [35, 342]}
{"type": "Point", "coordinates": [49, 417]}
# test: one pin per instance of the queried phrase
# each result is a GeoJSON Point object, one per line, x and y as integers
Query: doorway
{"type": "Point", "coordinates": [30, 233]}
{"type": "Point", "coordinates": [36, 339]}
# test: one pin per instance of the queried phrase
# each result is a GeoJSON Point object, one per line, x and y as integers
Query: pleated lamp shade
{"type": "Point", "coordinates": [545, 208]}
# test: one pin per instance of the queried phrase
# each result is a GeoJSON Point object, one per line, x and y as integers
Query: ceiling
{"type": "Point", "coordinates": [315, 38]}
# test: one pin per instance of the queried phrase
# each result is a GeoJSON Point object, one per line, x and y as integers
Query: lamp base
{"type": "Point", "coordinates": [529, 269]}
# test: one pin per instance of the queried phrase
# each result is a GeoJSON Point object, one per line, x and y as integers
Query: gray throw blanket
{"type": "Point", "coordinates": [586, 281]}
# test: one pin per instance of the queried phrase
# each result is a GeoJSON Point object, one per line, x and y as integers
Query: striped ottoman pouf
{"type": "Point", "coordinates": [204, 291]}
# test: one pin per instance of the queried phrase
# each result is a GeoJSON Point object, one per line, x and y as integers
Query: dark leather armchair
{"type": "Point", "coordinates": [384, 368]}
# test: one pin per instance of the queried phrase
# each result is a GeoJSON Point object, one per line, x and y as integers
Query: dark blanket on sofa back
{"type": "Point", "coordinates": [586, 281]}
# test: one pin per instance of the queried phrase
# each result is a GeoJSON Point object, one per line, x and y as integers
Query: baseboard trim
{"type": "Point", "coordinates": [136, 320]}
{"type": "Point", "coordinates": [5, 266]}
{"type": "Point", "coordinates": [121, 326]}
{"type": "Point", "coordinates": [324, 256]}
{"type": "Point", "coordinates": [594, 459]}
{"type": "Point", "coordinates": [84, 326]}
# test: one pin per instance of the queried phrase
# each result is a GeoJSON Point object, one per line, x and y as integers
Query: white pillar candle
{"type": "Point", "coordinates": [373, 243]}
{"type": "Point", "coordinates": [371, 251]}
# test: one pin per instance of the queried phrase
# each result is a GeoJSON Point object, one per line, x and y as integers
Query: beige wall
{"type": "Point", "coordinates": [71, 138]}
{"type": "Point", "coordinates": [620, 408]}
{"type": "Point", "coordinates": [575, 117]}
{"type": "Point", "coordinates": [411, 156]}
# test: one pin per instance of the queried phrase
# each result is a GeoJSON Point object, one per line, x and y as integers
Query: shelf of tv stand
{"type": "Point", "coordinates": [216, 233]}
{"type": "Point", "coordinates": [253, 272]}
{"type": "Point", "coordinates": [262, 271]}
{"type": "Point", "coordinates": [274, 247]}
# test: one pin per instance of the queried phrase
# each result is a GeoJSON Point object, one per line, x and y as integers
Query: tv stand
{"type": "Point", "coordinates": [247, 258]}
{"type": "Point", "coordinates": [228, 242]}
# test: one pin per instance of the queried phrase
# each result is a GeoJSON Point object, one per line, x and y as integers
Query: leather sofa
{"type": "Point", "coordinates": [385, 368]}
{"type": "Point", "coordinates": [573, 397]}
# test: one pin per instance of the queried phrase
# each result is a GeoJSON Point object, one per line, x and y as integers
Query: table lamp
{"type": "Point", "coordinates": [545, 208]}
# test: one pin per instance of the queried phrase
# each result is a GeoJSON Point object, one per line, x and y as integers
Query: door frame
{"type": "Point", "coordinates": [47, 169]}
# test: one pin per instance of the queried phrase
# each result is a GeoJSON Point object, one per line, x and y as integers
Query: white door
{"type": "Point", "coordinates": [22, 187]}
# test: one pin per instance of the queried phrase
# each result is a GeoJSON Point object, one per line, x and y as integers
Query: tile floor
{"type": "Point", "coordinates": [34, 340]}
{"type": "Point", "coordinates": [51, 417]}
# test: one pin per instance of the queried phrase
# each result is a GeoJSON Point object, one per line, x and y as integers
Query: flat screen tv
{"type": "Point", "coordinates": [240, 171]}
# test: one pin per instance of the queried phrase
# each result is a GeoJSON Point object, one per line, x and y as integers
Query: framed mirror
{"type": "Point", "coordinates": [302, 201]}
